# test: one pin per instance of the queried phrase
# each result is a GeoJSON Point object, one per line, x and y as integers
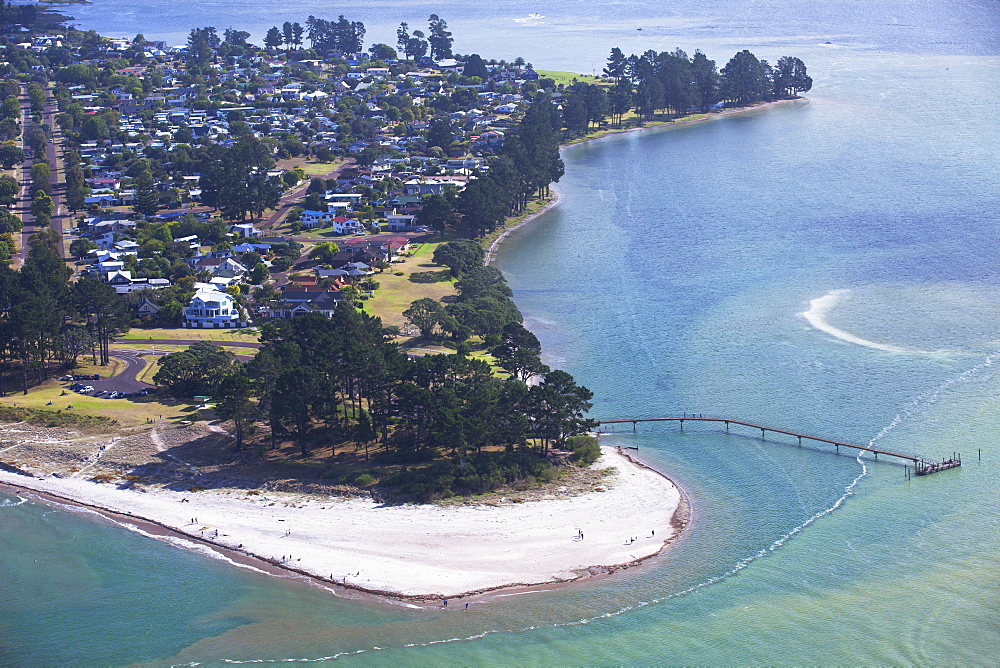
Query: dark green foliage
{"type": "Point", "coordinates": [586, 450]}
{"type": "Point", "coordinates": [341, 35]}
{"type": "Point", "coordinates": [473, 474]}
{"type": "Point", "coordinates": [437, 213]}
{"type": "Point", "coordinates": [11, 155]}
{"type": "Point", "coordinates": [519, 352]}
{"type": "Point", "coordinates": [459, 256]}
{"type": "Point", "coordinates": [475, 67]}
{"type": "Point", "coordinates": [195, 371]}
{"type": "Point", "coordinates": [425, 314]}
{"type": "Point", "coordinates": [236, 182]}
{"type": "Point", "coordinates": [106, 314]}
{"type": "Point", "coordinates": [440, 39]}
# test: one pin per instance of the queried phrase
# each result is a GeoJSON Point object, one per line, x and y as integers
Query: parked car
{"type": "Point", "coordinates": [69, 377]}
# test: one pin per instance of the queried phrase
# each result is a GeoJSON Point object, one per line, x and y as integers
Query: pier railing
{"type": "Point", "coordinates": [921, 466]}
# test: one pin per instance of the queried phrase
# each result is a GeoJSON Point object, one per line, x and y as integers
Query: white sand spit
{"type": "Point", "coordinates": [414, 550]}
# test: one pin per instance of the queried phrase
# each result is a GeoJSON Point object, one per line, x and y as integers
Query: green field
{"type": "Point", "coordinates": [396, 293]}
{"type": "Point", "coordinates": [566, 78]}
{"type": "Point", "coordinates": [248, 334]}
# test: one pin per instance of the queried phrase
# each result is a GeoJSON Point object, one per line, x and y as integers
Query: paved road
{"type": "Point", "coordinates": [61, 220]}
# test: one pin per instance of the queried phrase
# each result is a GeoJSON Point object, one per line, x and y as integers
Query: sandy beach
{"type": "Point", "coordinates": [410, 551]}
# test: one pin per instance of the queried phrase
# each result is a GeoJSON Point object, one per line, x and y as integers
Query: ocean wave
{"type": "Point", "coordinates": [816, 316]}
{"type": "Point", "coordinates": [8, 503]}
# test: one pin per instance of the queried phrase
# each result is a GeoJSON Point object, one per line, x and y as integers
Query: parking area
{"type": "Point", "coordinates": [122, 386]}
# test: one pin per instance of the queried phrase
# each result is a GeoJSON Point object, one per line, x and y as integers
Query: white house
{"type": "Point", "coordinates": [211, 309]}
{"type": "Point", "coordinates": [343, 225]}
{"type": "Point", "coordinates": [312, 219]}
{"type": "Point", "coordinates": [245, 230]}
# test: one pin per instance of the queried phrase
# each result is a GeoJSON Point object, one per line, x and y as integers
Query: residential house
{"type": "Point", "coordinates": [303, 302]}
{"type": "Point", "coordinates": [212, 309]}
{"type": "Point", "coordinates": [313, 219]}
{"type": "Point", "coordinates": [400, 223]}
{"type": "Point", "coordinates": [245, 230]}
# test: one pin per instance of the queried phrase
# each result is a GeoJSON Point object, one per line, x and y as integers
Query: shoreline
{"type": "Point", "coordinates": [491, 250]}
{"type": "Point", "coordinates": [437, 580]}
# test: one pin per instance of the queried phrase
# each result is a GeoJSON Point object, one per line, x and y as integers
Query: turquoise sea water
{"type": "Point", "coordinates": [671, 278]}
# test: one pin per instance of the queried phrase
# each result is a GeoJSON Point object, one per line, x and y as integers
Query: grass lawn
{"type": "Point", "coordinates": [316, 234]}
{"type": "Point", "coordinates": [248, 334]}
{"type": "Point", "coordinates": [128, 412]}
{"type": "Point", "coordinates": [421, 278]}
{"type": "Point", "coordinates": [83, 366]}
{"type": "Point", "coordinates": [566, 78]}
{"type": "Point", "coordinates": [320, 168]}
{"type": "Point", "coordinates": [309, 167]}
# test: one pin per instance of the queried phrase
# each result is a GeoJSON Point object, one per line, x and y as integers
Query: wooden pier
{"type": "Point", "coordinates": [921, 466]}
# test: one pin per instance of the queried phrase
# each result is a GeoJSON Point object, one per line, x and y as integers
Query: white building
{"type": "Point", "coordinates": [212, 309]}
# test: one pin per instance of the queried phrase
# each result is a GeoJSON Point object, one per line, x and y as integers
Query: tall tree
{"type": "Point", "coordinates": [436, 212]}
{"type": "Point", "coordinates": [706, 80]}
{"type": "Point", "coordinates": [146, 200]}
{"type": "Point", "coordinates": [519, 352]}
{"type": "Point", "coordinates": [475, 67]}
{"type": "Point", "coordinates": [439, 38]}
{"type": "Point", "coordinates": [617, 65]}
{"type": "Point", "coordinates": [790, 77]}
{"type": "Point", "coordinates": [403, 38]}
{"type": "Point", "coordinates": [106, 314]}
{"type": "Point", "coordinates": [235, 400]}
{"type": "Point", "coordinates": [273, 38]}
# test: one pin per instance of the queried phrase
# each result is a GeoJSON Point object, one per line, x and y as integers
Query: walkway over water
{"type": "Point", "coordinates": [921, 466]}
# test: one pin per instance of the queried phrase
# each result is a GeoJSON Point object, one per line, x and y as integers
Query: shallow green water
{"type": "Point", "coordinates": [671, 278]}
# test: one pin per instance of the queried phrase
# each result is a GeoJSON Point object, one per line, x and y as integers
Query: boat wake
{"type": "Point", "coordinates": [816, 316]}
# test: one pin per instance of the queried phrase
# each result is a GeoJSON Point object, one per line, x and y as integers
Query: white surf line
{"type": "Point", "coordinates": [924, 401]}
{"type": "Point", "coordinates": [820, 307]}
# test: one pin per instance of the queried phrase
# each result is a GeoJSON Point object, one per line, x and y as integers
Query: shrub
{"type": "Point", "coordinates": [586, 449]}
{"type": "Point", "coordinates": [364, 480]}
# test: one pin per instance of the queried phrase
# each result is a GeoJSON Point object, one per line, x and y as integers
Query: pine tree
{"type": "Point", "coordinates": [146, 199]}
